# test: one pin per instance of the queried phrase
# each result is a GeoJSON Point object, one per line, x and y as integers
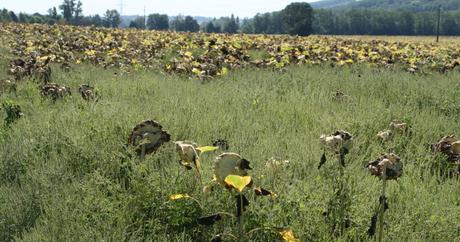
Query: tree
{"type": "Point", "coordinates": [185, 24]}
{"type": "Point", "coordinates": [246, 26]}
{"type": "Point", "coordinates": [52, 13]}
{"type": "Point", "coordinates": [211, 28]}
{"type": "Point", "coordinates": [276, 23]}
{"type": "Point", "coordinates": [259, 25]}
{"type": "Point", "coordinates": [23, 18]}
{"type": "Point", "coordinates": [5, 16]}
{"type": "Point", "coordinates": [323, 21]}
{"type": "Point", "coordinates": [230, 26]}
{"type": "Point", "coordinates": [68, 9]}
{"type": "Point", "coordinates": [158, 21]}
{"type": "Point", "coordinates": [407, 23]}
{"type": "Point", "coordinates": [78, 13]}
{"type": "Point", "coordinates": [95, 20]}
{"type": "Point", "coordinates": [138, 23]}
{"type": "Point", "coordinates": [13, 16]}
{"type": "Point", "coordinates": [297, 19]}
{"type": "Point", "coordinates": [449, 25]}
{"type": "Point", "coordinates": [191, 24]}
{"type": "Point", "coordinates": [112, 18]}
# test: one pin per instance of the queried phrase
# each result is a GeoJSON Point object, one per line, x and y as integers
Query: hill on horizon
{"type": "Point", "coordinates": [409, 5]}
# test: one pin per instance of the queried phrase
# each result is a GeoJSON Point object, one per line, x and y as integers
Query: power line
{"type": "Point", "coordinates": [121, 7]}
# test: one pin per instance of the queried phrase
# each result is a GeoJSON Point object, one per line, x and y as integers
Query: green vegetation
{"type": "Point", "coordinates": [347, 17]}
{"type": "Point", "coordinates": [384, 22]}
{"type": "Point", "coordinates": [66, 173]}
{"type": "Point", "coordinates": [410, 5]}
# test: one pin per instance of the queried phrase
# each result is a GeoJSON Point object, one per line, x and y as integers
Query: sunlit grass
{"type": "Point", "coordinates": [65, 174]}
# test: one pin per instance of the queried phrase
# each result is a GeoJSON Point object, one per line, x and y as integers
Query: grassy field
{"type": "Point", "coordinates": [65, 174]}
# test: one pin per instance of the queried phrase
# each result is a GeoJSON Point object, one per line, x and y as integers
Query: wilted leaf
{"type": "Point", "coordinates": [238, 182]}
{"type": "Point", "coordinates": [179, 196]}
{"type": "Point", "coordinates": [205, 149]}
{"type": "Point", "coordinates": [229, 164]}
{"type": "Point", "coordinates": [209, 220]}
{"type": "Point", "coordinates": [288, 235]}
{"type": "Point", "coordinates": [322, 160]}
{"type": "Point", "coordinates": [188, 54]}
{"type": "Point", "coordinates": [373, 225]}
{"type": "Point", "coordinates": [259, 191]}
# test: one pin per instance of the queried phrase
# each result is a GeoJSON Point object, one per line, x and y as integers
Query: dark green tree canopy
{"type": "Point", "coordinates": [158, 21]}
{"type": "Point", "coordinates": [112, 18]}
{"type": "Point", "coordinates": [297, 19]}
{"type": "Point", "coordinates": [211, 28]}
{"type": "Point", "coordinates": [188, 23]}
{"type": "Point", "coordinates": [138, 23]}
{"type": "Point", "coordinates": [231, 26]}
{"type": "Point", "coordinates": [71, 10]}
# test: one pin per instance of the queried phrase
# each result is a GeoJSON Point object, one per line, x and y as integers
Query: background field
{"type": "Point", "coordinates": [66, 176]}
{"type": "Point", "coordinates": [443, 40]}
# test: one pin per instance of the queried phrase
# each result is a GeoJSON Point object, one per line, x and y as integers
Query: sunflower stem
{"type": "Point", "coordinates": [382, 204]}
{"type": "Point", "coordinates": [241, 219]}
{"type": "Point", "coordinates": [143, 152]}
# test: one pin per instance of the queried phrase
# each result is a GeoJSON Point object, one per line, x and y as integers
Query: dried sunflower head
{"type": "Point", "coordinates": [391, 163]}
{"type": "Point", "coordinates": [187, 152]}
{"type": "Point", "coordinates": [230, 164]}
{"type": "Point", "coordinates": [55, 91]}
{"type": "Point", "coordinates": [87, 92]}
{"type": "Point", "coordinates": [449, 146]}
{"type": "Point", "coordinates": [398, 125]}
{"type": "Point", "coordinates": [455, 148]}
{"type": "Point", "coordinates": [336, 141]}
{"type": "Point", "coordinates": [149, 133]}
{"type": "Point", "coordinates": [384, 135]}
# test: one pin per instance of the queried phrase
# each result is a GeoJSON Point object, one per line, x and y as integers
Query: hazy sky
{"type": "Point", "coordinates": [208, 8]}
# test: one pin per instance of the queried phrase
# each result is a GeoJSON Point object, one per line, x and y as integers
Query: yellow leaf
{"type": "Point", "coordinates": [205, 149]}
{"type": "Point", "coordinates": [288, 235]}
{"type": "Point", "coordinates": [188, 54]}
{"type": "Point", "coordinates": [90, 52]}
{"type": "Point", "coordinates": [196, 71]}
{"type": "Point", "coordinates": [179, 196]}
{"type": "Point", "coordinates": [238, 182]}
{"type": "Point", "coordinates": [224, 71]}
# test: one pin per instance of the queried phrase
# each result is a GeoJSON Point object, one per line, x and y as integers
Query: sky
{"type": "Point", "coordinates": [206, 8]}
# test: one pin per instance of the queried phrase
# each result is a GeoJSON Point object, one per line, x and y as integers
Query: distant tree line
{"type": "Point", "coordinates": [296, 19]}
{"type": "Point", "coordinates": [382, 22]}
{"type": "Point", "coordinates": [163, 22]}
{"type": "Point", "coordinates": [70, 12]}
{"type": "Point", "coordinates": [392, 5]}
{"type": "Point", "coordinates": [229, 25]}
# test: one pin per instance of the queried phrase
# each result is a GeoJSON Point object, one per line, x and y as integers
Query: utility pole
{"type": "Point", "coordinates": [145, 19]}
{"type": "Point", "coordinates": [439, 24]}
{"type": "Point", "coordinates": [121, 7]}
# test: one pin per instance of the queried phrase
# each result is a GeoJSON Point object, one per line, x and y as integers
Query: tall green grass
{"type": "Point", "coordinates": [66, 174]}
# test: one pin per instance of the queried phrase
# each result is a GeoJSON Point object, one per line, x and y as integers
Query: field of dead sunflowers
{"type": "Point", "coordinates": [128, 135]}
